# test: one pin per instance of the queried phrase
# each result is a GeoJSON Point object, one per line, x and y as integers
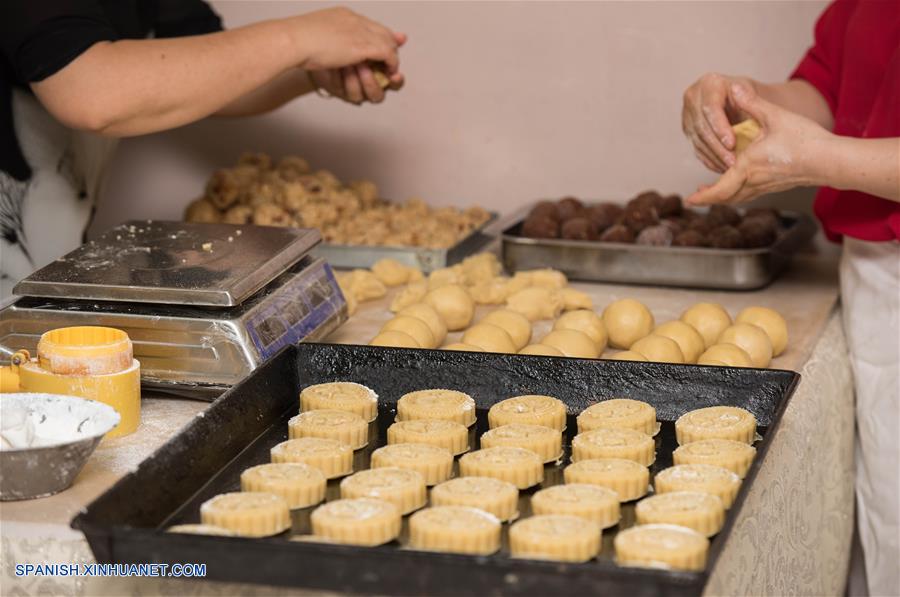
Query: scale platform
{"type": "Point", "coordinates": [204, 304]}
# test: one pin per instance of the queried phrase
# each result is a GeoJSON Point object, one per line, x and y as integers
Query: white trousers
{"type": "Point", "coordinates": [870, 297]}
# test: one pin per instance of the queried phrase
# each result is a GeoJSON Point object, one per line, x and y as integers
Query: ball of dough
{"type": "Point", "coordinates": [453, 304]}
{"type": "Point", "coordinates": [572, 343]}
{"type": "Point", "coordinates": [394, 338]}
{"type": "Point", "coordinates": [628, 355]}
{"type": "Point", "coordinates": [490, 338]}
{"type": "Point", "coordinates": [771, 322]}
{"type": "Point", "coordinates": [417, 329]}
{"type": "Point", "coordinates": [536, 303]}
{"type": "Point", "coordinates": [431, 318]}
{"type": "Point", "coordinates": [586, 322]}
{"type": "Point", "coordinates": [626, 322]}
{"type": "Point", "coordinates": [516, 325]}
{"type": "Point", "coordinates": [480, 268]}
{"type": "Point", "coordinates": [548, 278]}
{"type": "Point", "coordinates": [493, 292]}
{"type": "Point", "coordinates": [363, 284]}
{"type": "Point", "coordinates": [410, 295]}
{"type": "Point", "coordinates": [462, 347]}
{"type": "Point", "coordinates": [391, 272]}
{"type": "Point", "coordinates": [710, 319]}
{"type": "Point", "coordinates": [752, 339]}
{"type": "Point", "coordinates": [542, 350]}
{"type": "Point", "coordinates": [446, 276]}
{"type": "Point", "coordinates": [689, 340]}
{"type": "Point", "coordinates": [725, 354]}
{"type": "Point", "coordinates": [352, 303]}
{"type": "Point", "coordinates": [575, 299]}
{"type": "Point", "coordinates": [659, 348]}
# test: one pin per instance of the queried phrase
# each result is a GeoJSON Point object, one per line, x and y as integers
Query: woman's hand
{"type": "Point", "coordinates": [790, 151]}
{"type": "Point", "coordinates": [354, 84]}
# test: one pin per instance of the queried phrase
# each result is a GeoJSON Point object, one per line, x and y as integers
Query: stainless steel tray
{"type": "Point", "coordinates": [355, 256]}
{"type": "Point", "coordinates": [694, 267]}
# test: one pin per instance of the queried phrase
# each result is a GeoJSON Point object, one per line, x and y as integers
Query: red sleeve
{"type": "Point", "coordinates": [821, 66]}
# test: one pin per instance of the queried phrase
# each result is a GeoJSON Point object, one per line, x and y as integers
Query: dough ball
{"type": "Point", "coordinates": [492, 292]}
{"type": "Point", "coordinates": [723, 215]}
{"type": "Point", "coordinates": [689, 238]}
{"type": "Point", "coordinates": [744, 134]}
{"type": "Point", "coordinates": [628, 355]}
{"type": "Point", "coordinates": [542, 350]}
{"type": "Point", "coordinates": [480, 268]}
{"type": "Point", "coordinates": [394, 338]}
{"type": "Point", "coordinates": [536, 303]}
{"type": "Point", "coordinates": [363, 284]}
{"type": "Point", "coordinates": [391, 272]}
{"type": "Point", "coordinates": [453, 304]}
{"type": "Point", "coordinates": [771, 322]}
{"type": "Point", "coordinates": [617, 234]}
{"type": "Point", "coordinates": [239, 214]}
{"type": "Point", "coordinates": [658, 348]}
{"type": "Point", "coordinates": [586, 322]}
{"type": "Point", "coordinates": [659, 235]}
{"type": "Point", "coordinates": [540, 227]}
{"type": "Point", "coordinates": [757, 233]}
{"type": "Point", "coordinates": [462, 347]}
{"type": "Point", "coordinates": [490, 338]}
{"type": "Point", "coordinates": [431, 318]}
{"type": "Point", "coordinates": [547, 278]}
{"type": "Point", "coordinates": [352, 303]}
{"type": "Point", "coordinates": [569, 207]}
{"type": "Point", "coordinates": [752, 339]}
{"type": "Point", "coordinates": [710, 319]}
{"type": "Point", "coordinates": [689, 340]}
{"type": "Point", "coordinates": [670, 206]}
{"type": "Point", "coordinates": [604, 215]}
{"type": "Point", "coordinates": [414, 327]}
{"type": "Point", "coordinates": [579, 229]}
{"type": "Point", "coordinates": [575, 299]}
{"type": "Point", "coordinates": [727, 354]}
{"type": "Point", "coordinates": [638, 217]}
{"type": "Point", "coordinates": [412, 294]}
{"type": "Point", "coordinates": [514, 323]}
{"type": "Point", "coordinates": [202, 211]}
{"type": "Point", "coordinates": [572, 343]}
{"type": "Point", "coordinates": [626, 322]}
{"type": "Point", "coordinates": [725, 237]}
{"type": "Point", "coordinates": [546, 209]}
{"type": "Point", "coordinates": [445, 276]}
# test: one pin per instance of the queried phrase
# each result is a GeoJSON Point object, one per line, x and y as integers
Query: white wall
{"type": "Point", "coordinates": [505, 102]}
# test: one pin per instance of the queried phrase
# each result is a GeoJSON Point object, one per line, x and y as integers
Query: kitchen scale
{"type": "Point", "coordinates": [203, 304]}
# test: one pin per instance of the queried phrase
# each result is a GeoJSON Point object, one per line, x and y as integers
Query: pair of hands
{"type": "Point", "coordinates": [787, 153]}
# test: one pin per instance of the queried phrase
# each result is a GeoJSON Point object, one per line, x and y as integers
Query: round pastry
{"type": "Point", "coordinates": [695, 510]}
{"type": "Point", "coordinates": [447, 405]}
{"type": "Point", "coordinates": [725, 237]}
{"type": "Point", "coordinates": [725, 355]}
{"type": "Point", "coordinates": [628, 355]}
{"type": "Point", "coordinates": [661, 546]}
{"type": "Point", "coordinates": [545, 209]}
{"type": "Point", "coordinates": [771, 322]}
{"type": "Point", "coordinates": [411, 294]}
{"type": "Point", "coordinates": [689, 238]}
{"type": "Point", "coordinates": [569, 207]}
{"type": "Point", "coordinates": [490, 338]}
{"type": "Point", "coordinates": [618, 233]}
{"type": "Point", "coordinates": [414, 327]}
{"type": "Point", "coordinates": [752, 339]}
{"type": "Point", "coordinates": [514, 323]}
{"type": "Point", "coordinates": [646, 199]}
{"type": "Point", "coordinates": [626, 322]}
{"type": "Point", "coordinates": [523, 468]}
{"type": "Point", "coordinates": [500, 498]}
{"type": "Point", "coordinates": [604, 215]}
{"type": "Point", "coordinates": [670, 206]}
{"type": "Point", "coordinates": [455, 529]}
{"type": "Point", "coordinates": [434, 463]}
{"type": "Point", "coordinates": [722, 422]}
{"type": "Point", "coordinates": [579, 228]}
{"type": "Point", "coordinates": [333, 458]}
{"type": "Point", "coordinates": [723, 215]}
{"type": "Point", "coordinates": [402, 487]}
{"type": "Point", "coordinates": [658, 348]}
{"type": "Point", "coordinates": [394, 339]}
{"type": "Point", "coordinates": [200, 529]}
{"type": "Point", "coordinates": [586, 322]}
{"type": "Point", "coordinates": [301, 485]}
{"type": "Point", "coordinates": [619, 413]}
{"type": "Point", "coordinates": [542, 350]}
{"type": "Point", "coordinates": [346, 427]}
{"type": "Point", "coordinates": [449, 435]}
{"type": "Point", "coordinates": [341, 395]}
{"type": "Point", "coordinates": [709, 319]}
{"type": "Point", "coordinates": [655, 236]}
{"type": "Point", "coordinates": [614, 443]}
{"type": "Point", "coordinates": [538, 226]}
{"type": "Point", "coordinates": [629, 479]}
{"type": "Point", "coordinates": [363, 521]}
{"type": "Point", "coordinates": [638, 217]}
{"type": "Point", "coordinates": [572, 343]}
{"type": "Point", "coordinates": [426, 313]}
{"type": "Point", "coordinates": [544, 441]}
{"type": "Point", "coordinates": [247, 513]}
{"type": "Point", "coordinates": [536, 302]}
{"type": "Point", "coordinates": [705, 478]}
{"type": "Point", "coordinates": [675, 224]}
{"type": "Point", "coordinates": [391, 272]}
{"type": "Point", "coordinates": [453, 304]}
{"type": "Point", "coordinates": [530, 409]}
{"type": "Point", "coordinates": [689, 340]}
{"type": "Point", "coordinates": [576, 299]}
{"type": "Point", "coordinates": [728, 453]}
{"type": "Point", "coordinates": [592, 502]}
{"type": "Point", "coordinates": [757, 233]}
{"type": "Point", "coordinates": [555, 537]}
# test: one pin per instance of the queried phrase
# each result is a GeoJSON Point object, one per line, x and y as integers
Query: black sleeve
{"type": "Point", "coordinates": [40, 37]}
{"type": "Point", "coordinates": [177, 18]}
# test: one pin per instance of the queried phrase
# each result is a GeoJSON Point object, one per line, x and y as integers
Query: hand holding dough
{"type": "Point", "coordinates": [710, 319]}
{"type": "Point", "coordinates": [771, 322]}
{"type": "Point", "coordinates": [626, 322]}
{"type": "Point", "coordinates": [536, 303]}
{"type": "Point", "coordinates": [453, 304]}
{"type": "Point", "coordinates": [745, 133]}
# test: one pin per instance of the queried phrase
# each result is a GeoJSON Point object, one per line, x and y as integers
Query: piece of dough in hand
{"type": "Point", "coordinates": [745, 133]}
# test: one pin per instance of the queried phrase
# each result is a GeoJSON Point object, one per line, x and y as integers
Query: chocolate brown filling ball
{"type": "Point", "coordinates": [637, 217]}
{"type": "Point", "coordinates": [670, 206]}
{"type": "Point", "coordinates": [767, 218]}
{"type": "Point", "coordinates": [646, 199]}
{"type": "Point", "coordinates": [546, 209]}
{"type": "Point", "coordinates": [723, 215]}
{"type": "Point", "coordinates": [763, 211]}
{"type": "Point", "coordinates": [617, 234]}
{"type": "Point", "coordinates": [700, 223]}
{"type": "Point", "coordinates": [676, 225]}
{"type": "Point", "coordinates": [657, 236]}
{"type": "Point", "coordinates": [540, 227]}
{"type": "Point", "coordinates": [758, 232]}
{"type": "Point", "coordinates": [569, 207]}
{"type": "Point", "coordinates": [725, 237]}
{"type": "Point", "coordinates": [579, 229]}
{"type": "Point", "coordinates": [689, 238]}
{"type": "Point", "coordinates": [604, 215]}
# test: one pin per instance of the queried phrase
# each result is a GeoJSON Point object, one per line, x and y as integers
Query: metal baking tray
{"type": "Point", "coordinates": [625, 263]}
{"type": "Point", "coordinates": [428, 260]}
{"type": "Point", "coordinates": [125, 524]}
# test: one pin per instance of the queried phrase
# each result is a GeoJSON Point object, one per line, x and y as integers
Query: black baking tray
{"type": "Point", "coordinates": [126, 524]}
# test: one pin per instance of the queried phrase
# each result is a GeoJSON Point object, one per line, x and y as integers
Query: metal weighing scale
{"type": "Point", "coordinates": [204, 304]}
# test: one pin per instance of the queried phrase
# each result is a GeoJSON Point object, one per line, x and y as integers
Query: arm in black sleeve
{"type": "Point", "coordinates": [178, 18]}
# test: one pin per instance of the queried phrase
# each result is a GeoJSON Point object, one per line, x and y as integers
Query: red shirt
{"type": "Point", "coordinates": [855, 65]}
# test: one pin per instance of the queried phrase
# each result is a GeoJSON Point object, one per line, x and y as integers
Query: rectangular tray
{"type": "Point", "coordinates": [206, 458]}
{"type": "Point", "coordinates": [428, 260]}
{"type": "Point", "coordinates": [694, 267]}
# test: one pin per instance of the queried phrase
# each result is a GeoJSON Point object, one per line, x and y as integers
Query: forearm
{"type": "Point", "coordinates": [868, 165]}
{"type": "Point", "coordinates": [799, 97]}
{"type": "Point", "coordinates": [286, 86]}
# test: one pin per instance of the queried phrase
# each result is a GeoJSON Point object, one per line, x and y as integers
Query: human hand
{"type": "Point", "coordinates": [355, 84]}
{"type": "Point", "coordinates": [707, 115]}
{"type": "Point", "coordinates": [790, 151]}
